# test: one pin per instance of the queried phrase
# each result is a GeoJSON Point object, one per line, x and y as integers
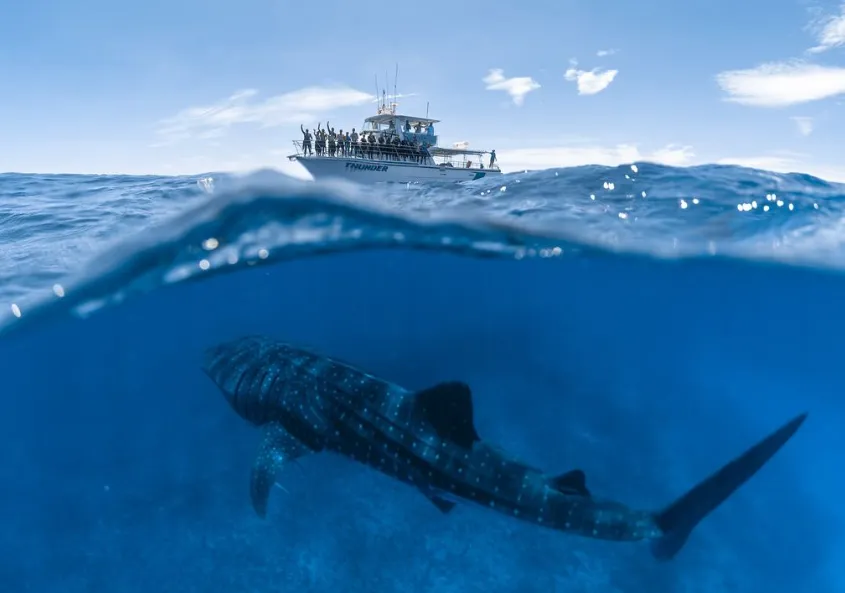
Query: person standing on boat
{"type": "Point", "coordinates": [425, 155]}
{"type": "Point", "coordinates": [306, 141]}
{"type": "Point", "coordinates": [492, 159]}
{"type": "Point", "coordinates": [354, 138]}
{"type": "Point", "coordinates": [380, 147]}
{"type": "Point", "coordinates": [339, 140]}
{"type": "Point", "coordinates": [371, 140]}
{"type": "Point", "coordinates": [331, 137]}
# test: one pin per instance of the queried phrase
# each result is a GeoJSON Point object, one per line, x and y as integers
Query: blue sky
{"type": "Point", "coordinates": [189, 86]}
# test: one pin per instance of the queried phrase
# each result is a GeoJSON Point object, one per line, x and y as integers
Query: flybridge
{"type": "Point", "coordinates": [408, 127]}
{"type": "Point", "coordinates": [388, 120]}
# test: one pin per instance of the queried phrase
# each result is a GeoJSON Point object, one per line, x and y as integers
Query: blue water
{"type": "Point", "coordinates": [643, 323]}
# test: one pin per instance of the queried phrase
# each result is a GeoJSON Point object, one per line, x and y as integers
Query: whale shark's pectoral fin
{"type": "Point", "coordinates": [277, 447]}
{"type": "Point", "coordinates": [572, 482]}
{"type": "Point", "coordinates": [444, 505]}
{"type": "Point", "coordinates": [448, 408]}
{"type": "Point", "coordinates": [441, 503]}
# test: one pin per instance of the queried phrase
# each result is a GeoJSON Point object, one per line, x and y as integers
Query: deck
{"type": "Point", "coordinates": [432, 156]}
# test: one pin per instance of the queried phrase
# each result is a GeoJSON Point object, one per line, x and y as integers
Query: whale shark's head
{"type": "Point", "coordinates": [235, 367]}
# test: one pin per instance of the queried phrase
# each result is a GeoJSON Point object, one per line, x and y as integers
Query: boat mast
{"type": "Point", "coordinates": [377, 107]}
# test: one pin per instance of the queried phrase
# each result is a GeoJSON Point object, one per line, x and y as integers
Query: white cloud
{"type": "Point", "coordinates": [804, 124]}
{"type": "Point", "coordinates": [301, 106]}
{"type": "Point", "coordinates": [781, 84]}
{"type": "Point", "coordinates": [516, 87]}
{"type": "Point", "coordinates": [592, 81]}
{"type": "Point", "coordinates": [830, 33]}
{"type": "Point", "coordinates": [672, 154]}
{"type": "Point", "coordinates": [605, 52]}
{"type": "Point", "coordinates": [573, 156]}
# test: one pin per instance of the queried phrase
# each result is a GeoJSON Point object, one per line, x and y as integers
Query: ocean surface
{"type": "Point", "coordinates": [643, 323]}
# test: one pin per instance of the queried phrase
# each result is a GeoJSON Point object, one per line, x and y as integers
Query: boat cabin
{"type": "Point", "coordinates": [413, 129]}
{"type": "Point", "coordinates": [460, 157]}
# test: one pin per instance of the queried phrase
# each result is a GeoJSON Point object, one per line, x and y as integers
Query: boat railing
{"type": "Point", "coordinates": [422, 137]}
{"type": "Point", "coordinates": [463, 162]}
{"type": "Point", "coordinates": [365, 151]}
{"type": "Point", "coordinates": [392, 153]}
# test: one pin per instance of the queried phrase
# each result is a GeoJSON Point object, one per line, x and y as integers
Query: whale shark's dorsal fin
{"type": "Point", "coordinates": [448, 408]}
{"type": "Point", "coordinates": [572, 482]}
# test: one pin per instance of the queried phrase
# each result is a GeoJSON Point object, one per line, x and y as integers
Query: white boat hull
{"type": "Point", "coordinates": [373, 171]}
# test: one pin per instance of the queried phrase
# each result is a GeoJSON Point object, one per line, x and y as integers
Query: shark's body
{"type": "Point", "coordinates": [307, 403]}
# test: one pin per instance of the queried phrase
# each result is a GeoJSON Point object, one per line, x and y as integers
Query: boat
{"type": "Point", "coordinates": [392, 148]}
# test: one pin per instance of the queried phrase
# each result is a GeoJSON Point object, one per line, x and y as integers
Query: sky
{"type": "Point", "coordinates": [190, 86]}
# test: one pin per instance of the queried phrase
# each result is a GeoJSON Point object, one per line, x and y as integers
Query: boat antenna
{"type": "Point", "coordinates": [426, 109]}
{"type": "Point", "coordinates": [395, 78]}
{"type": "Point", "coordinates": [376, 88]}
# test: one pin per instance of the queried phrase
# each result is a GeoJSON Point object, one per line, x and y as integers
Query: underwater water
{"type": "Point", "coordinates": [643, 323]}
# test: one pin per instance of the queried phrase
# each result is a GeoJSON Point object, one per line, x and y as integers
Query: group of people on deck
{"type": "Point", "coordinates": [386, 144]}
{"type": "Point", "coordinates": [327, 142]}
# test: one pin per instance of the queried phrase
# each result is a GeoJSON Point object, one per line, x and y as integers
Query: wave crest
{"type": "Point", "coordinates": [659, 211]}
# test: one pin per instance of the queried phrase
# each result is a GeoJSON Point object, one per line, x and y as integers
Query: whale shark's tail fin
{"type": "Point", "coordinates": [679, 519]}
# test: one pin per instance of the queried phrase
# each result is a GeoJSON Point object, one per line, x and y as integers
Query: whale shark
{"type": "Point", "coordinates": [305, 403]}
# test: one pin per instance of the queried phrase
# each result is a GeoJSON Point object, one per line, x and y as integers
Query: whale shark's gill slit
{"type": "Point", "coordinates": [259, 385]}
{"type": "Point", "coordinates": [251, 406]}
{"type": "Point", "coordinates": [262, 393]}
{"type": "Point", "coordinates": [271, 389]}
